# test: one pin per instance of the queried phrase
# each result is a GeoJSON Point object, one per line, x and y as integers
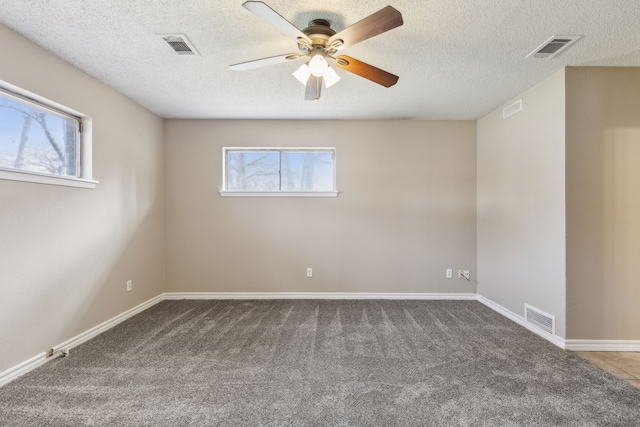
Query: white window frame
{"type": "Point", "coordinates": [85, 178]}
{"type": "Point", "coordinates": [238, 193]}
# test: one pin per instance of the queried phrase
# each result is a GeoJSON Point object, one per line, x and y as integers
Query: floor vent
{"type": "Point", "coordinates": [553, 46]}
{"type": "Point", "coordinates": [509, 111]}
{"type": "Point", "coordinates": [540, 319]}
{"type": "Point", "coordinates": [180, 44]}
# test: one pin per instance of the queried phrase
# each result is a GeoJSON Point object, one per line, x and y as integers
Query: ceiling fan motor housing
{"type": "Point", "coordinates": [322, 23]}
{"type": "Point", "coordinates": [319, 31]}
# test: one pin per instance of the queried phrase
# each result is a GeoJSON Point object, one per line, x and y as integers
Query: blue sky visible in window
{"type": "Point", "coordinates": [24, 143]}
{"type": "Point", "coordinates": [280, 170]}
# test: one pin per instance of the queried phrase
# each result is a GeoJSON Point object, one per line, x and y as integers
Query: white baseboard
{"type": "Point", "coordinates": [602, 345]}
{"type": "Point", "coordinates": [560, 342]}
{"type": "Point", "coordinates": [97, 330]}
{"type": "Point", "coordinates": [21, 369]}
{"type": "Point", "coordinates": [316, 295]}
{"type": "Point", "coordinates": [26, 366]}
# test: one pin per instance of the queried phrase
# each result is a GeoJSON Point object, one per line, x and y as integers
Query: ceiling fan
{"type": "Point", "coordinates": [320, 44]}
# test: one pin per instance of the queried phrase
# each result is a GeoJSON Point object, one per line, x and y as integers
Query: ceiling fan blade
{"type": "Point", "coordinates": [367, 71]}
{"type": "Point", "coordinates": [257, 63]}
{"type": "Point", "coordinates": [314, 87]}
{"type": "Point", "coordinates": [383, 20]}
{"type": "Point", "coordinates": [261, 10]}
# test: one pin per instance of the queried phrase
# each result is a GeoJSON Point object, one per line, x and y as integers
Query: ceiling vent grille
{"type": "Point", "coordinates": [540, 319]}
{"type": "Point", "coordinates": [553, 46]}
{"type": "Point", "coordinates": [180, 44]}
{"type": "Point", "coordinates": [512, 109]}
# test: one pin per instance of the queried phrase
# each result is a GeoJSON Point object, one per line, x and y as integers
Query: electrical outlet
{"type": "Point", "coordinates": [449, 273]}
{"type": "Point", "coordinates": [309, 272]}
{"type": "Point", "coordinates": [463, 274]}
{"type": "Point", "coordinates": [129, 285]}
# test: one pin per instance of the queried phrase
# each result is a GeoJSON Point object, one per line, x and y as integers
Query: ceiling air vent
{"type": "Point", "coordinates": [180, 44]}
{"type": "Point", "coordinates": [540, 319]}
{"type": "Point", "coordinates": [553, 46]}
{"type": "Point", "coordinates": [509, 111]}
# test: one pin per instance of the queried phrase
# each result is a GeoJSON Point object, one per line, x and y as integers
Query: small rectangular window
{"type": "Point", "coordinates": [41, 141]}
{"type": "Point", "coordinates": [279, 171]}
{"type": "Point", "coordinates": [36, 138]}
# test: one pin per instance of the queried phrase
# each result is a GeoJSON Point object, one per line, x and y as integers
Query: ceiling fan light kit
{"type": "Point", "coordinates": [320, 44]}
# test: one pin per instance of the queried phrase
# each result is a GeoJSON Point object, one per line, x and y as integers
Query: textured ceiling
{"type": "Point", "coordinates": [457, 59]}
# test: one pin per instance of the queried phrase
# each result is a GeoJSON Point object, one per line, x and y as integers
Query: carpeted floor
{"type": "Point", "coordinates": [319, 363]}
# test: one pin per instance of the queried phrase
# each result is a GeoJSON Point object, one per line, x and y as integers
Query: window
{"type": "Point", "coordinates": [279, 171]}
{"type": "Point", "coordinates": [41, 141]}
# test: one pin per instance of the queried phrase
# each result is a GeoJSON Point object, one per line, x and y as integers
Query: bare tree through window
{"type": "Point", "coordinates": [307, 171]}
{"type": "Point", "coordinates": [270, 170]}
{"type": "Point", "coordinates": [253, 171]}
{"type": "Point", "coordinates": [34, 138]}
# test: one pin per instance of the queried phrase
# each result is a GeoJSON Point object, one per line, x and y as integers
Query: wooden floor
{"type": "Point", "coordinates": [623, 364]}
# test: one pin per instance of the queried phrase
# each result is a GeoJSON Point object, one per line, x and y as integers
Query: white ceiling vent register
{"type": "Point", "coordinates": [553, 46]}
{"type": "Point", "coordinates": [540, 319]}
{"type": "Point", "coordinates": [180, 44]}
{"type": "Point", "coordinates": [512, 109]}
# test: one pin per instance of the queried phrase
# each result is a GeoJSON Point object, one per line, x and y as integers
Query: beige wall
{"type": "Point", "coordinates": [66, 253]}
{"type": "Point", "coordinates": [603, 203]}
{"type": "Point", "coordinates": [521, 209]}
{"type": "Point", "coordinates": [406, 211]}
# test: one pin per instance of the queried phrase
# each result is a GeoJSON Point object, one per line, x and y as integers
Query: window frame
{"type": "Point", "coordinates": [252, 193]}
{"type": "Point", "coordinates": [84, 179]}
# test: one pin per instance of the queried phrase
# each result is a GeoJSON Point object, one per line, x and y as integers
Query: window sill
{"type": "Point", "coordinates": [39, 178]}
{"type": "Point", "coordinates": [279, 193]}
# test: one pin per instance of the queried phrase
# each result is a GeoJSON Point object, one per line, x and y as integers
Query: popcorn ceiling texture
{"type": "Point", "coordinates": [456, 59]}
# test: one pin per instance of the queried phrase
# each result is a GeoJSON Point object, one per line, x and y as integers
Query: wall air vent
{"type": "Point", "coordinates": [180, 44]}
{"type": "Point", "coordinates": [540, 319]}
{"type": "Point", "coordinates": [509, 111]}
{"type": "Point", "coordinates": [553, 46]}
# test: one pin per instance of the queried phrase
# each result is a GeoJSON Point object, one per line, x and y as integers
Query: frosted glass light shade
{"type": "Point", "coordinates": [330, 77]}
{"type": "Point", "coordinates": [302, 74]}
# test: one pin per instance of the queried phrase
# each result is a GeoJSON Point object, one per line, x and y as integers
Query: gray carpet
{"type": "Point", "coordinates": [319, 363]}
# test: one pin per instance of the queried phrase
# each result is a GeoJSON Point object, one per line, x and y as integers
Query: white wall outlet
{"type": "Point", "coordinates": [129, 285]}
{"type": "Point", "coordinates": [463, 274]}
{"type": "Point", "coordinates": [309, 272]}
{"type": "Point", "coordinates": [449, 273]}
